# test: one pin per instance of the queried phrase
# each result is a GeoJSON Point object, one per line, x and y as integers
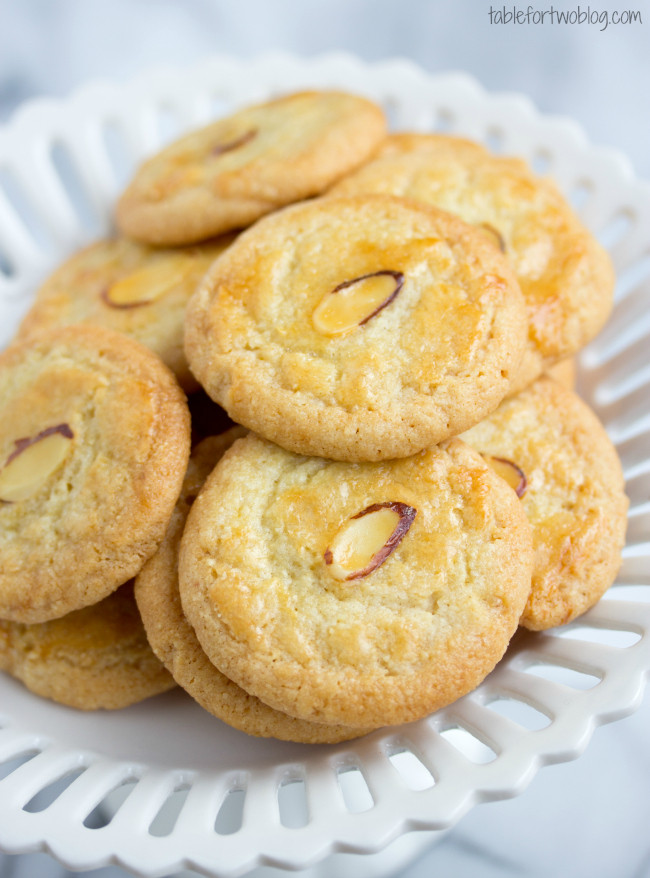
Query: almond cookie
{"type": "Point", "coordinates": [97, 657]}
{"type": "Point", "coordinates": [553, 450]}
{"type": "Point", "coordinates": [239, 168]}
{"type": "Point", "coordinates": [94, 445]}
{"type": "Point", "coordinates": [358, 328]}
{"type": "Point", "coordinates": [358, 594]}
{"type": "Point", "coordinates": [134, 289]}
{"type": "Point", "coordinates": [566, 277]}
{"type": "Point", "coordinates": [173, 640]}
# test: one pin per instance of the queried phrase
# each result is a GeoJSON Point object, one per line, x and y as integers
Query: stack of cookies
{"type": "Point", "coordinates": [402, 484]}
{"type": "Point", "coordinates": [95, 442]}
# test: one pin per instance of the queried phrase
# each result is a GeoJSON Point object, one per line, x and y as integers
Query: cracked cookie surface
{"type": "Point", "coordinates": [358, 328]}
{"type": "Point", "coordinates": [94, 445]}
{"type": "Point", "coordinates": [134, 289]}
{"type": "Point", "coordinates": [574, 496]}
{"type": "Point", "coordinates": [175, 643]}
{"type": "Point", "coordinates": [419, 629]}
{"type": "Point", "coordinates": [228, 174]}
{"type": "Point", "coordinates": [566, 277]}
{"type": "Point", "coordinates": [96, 657]}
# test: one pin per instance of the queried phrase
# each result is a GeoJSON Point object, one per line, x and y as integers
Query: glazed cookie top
{"type": "Point", "coordinates": [357, 328]}
{"type": "Point", "coordinates": [175, 643]}
{"type": "Point", "coordinates": [129, 287]}
{"type": "Point", "coordinates": [94, 444]}
{"type": "Point", "coordinates": [566, 277]}
{"type": "Point", "coordinates": [553, 450]}
{"type": "Point", "coordinates": [361, 594]}
{"type": "Point", "coordinates": [239, 168]}
{"type": "Point", "coordinates": [96, 657]}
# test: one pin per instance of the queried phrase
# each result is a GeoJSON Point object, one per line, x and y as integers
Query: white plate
{"type": "Point", "coordinates": [62, 163]}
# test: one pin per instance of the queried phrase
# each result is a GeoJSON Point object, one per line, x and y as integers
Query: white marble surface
{"type": "Point", "coordinates": [584, 819]}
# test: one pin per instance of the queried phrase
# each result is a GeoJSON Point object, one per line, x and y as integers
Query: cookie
{"type": "Point", "coordinates": [360, 328]}
{"type": "Point", "coordinates": [564, 373]}
{"type": "Point", "coordinates": [554, 451]}
{"type": "Point", "coordinates": [94, 444]}
{"type": "Point", "coordinates": [566, 277]}
{"type": "Point", "coordinates": [232, 172]}
{"type": "Point", "coordinates": [173, 639]}
{"type": "Point", "coordinates": [357, 594]}
{"type": "Point", "coordinates": [97, 657]}
{"type": "Point", "coordinates": [129, 287]}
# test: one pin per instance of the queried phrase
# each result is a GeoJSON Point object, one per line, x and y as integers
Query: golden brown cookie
{"type": "Point", "coordinates": [94, 444]}
{"type": "Point", "coordinates": [566, 277]}
{"type": "Point", "coordinates": [173, 639]}
{"type": "Point", "coordinates": [555, 453]}
{"type": "Point", "coordinates": [97, 657]}
{"type": "Point", "coordinates": [239, 168]}
{"type": "Point", "coordinates": [564, 373]}
{"type": "Point", "coordinates": [138, 290]}
{"type": "Point", "coordinates": [358, 328]}
{"type": "Point", "coordinates": [359, 594]}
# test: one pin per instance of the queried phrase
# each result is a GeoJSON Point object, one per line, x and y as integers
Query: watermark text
{"type": "Point", "coordinates": [578, 15]}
